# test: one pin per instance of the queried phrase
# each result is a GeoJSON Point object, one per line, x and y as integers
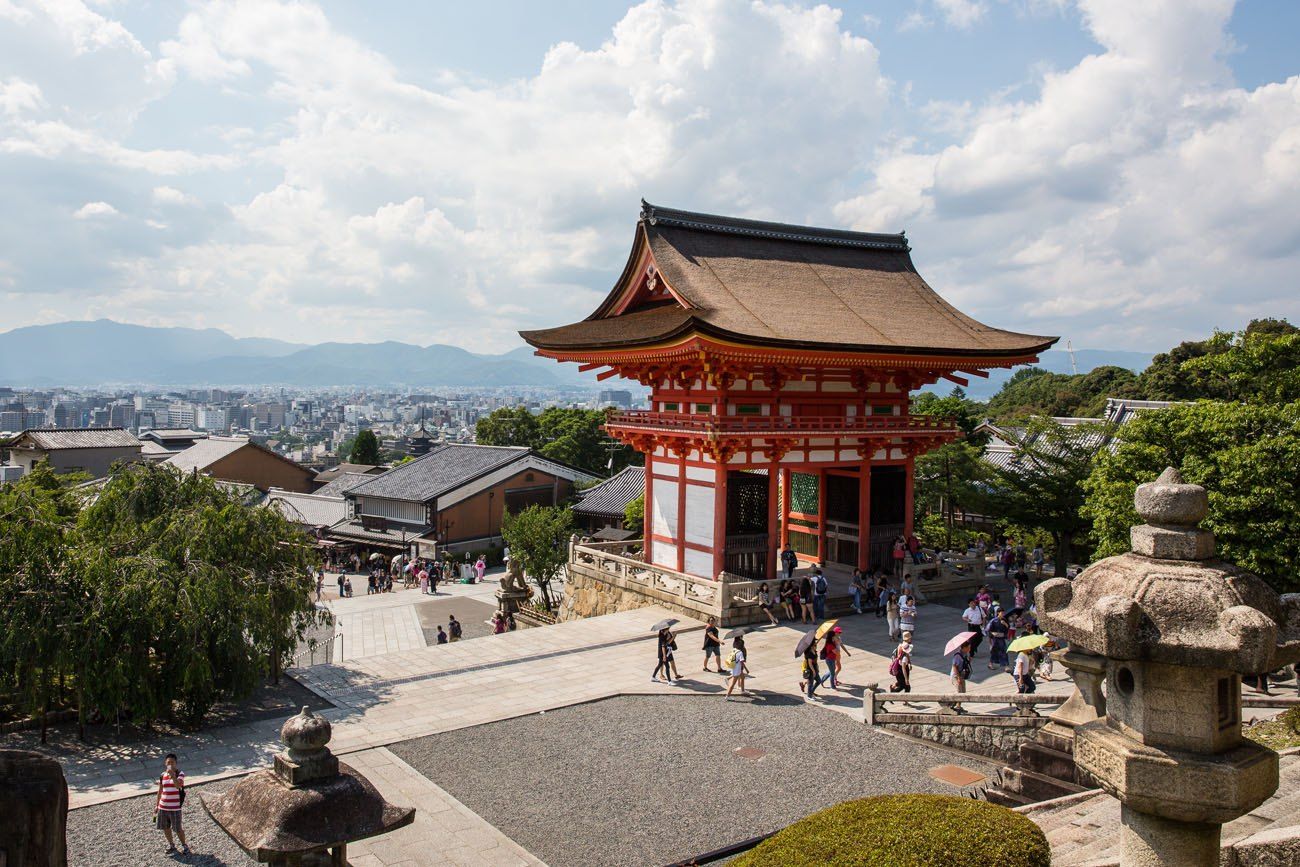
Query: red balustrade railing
{"type": "Point", "coordinates": [760, 424]}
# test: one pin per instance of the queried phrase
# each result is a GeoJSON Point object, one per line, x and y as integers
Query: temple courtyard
{"type": "Point", "coordinates": [547, 745]}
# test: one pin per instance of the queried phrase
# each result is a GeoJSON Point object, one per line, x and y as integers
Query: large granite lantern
{"type": "Point", "coordinates": [307, 808]}
{"type": "Point", "coordinates": [1177, 628]}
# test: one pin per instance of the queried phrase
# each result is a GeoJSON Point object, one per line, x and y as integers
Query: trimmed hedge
{"type": "Point", "coordinates": [905, 831]}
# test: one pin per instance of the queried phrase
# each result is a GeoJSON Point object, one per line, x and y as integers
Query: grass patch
{"type": "Point", "coordinates": [905, 831]}
{"type": "Point", "coordinates": [1280, 733]}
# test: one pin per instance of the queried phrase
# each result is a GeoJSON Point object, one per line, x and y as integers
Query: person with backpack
{"type": "Point", "coordinates": [789, 561]}
{"type": "Point", "coordinates": [806, 599]}
{"type": "Point", "coordinates": [961, 667]}
{"type": "Point", "coordinates": [811, 672]}
{"type": "Point", "coordinates": [454, 627]}
{"type": "Point", "coordinates": [736, 663]}
{"type": "Point", "coordinates": [901, 665]}
{"type": "Point", "coordinates": [712, 646]}
{"type": "Point", "coordinates": [167, 809]}
{"type": "Point", "coordinates": [820, 589]}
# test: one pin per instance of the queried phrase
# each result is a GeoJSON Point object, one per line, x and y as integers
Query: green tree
{"type": "Point", "coordinates": [508, 426]}
{"type": "Point", "coordinates": [196, 594]}
{"type": "Point", "coordinates": [1032, 391]}
{"type": "Point", "coordinates": [1043, 486]}
{"type": "Point", "coordinates": [1245, 455]}
{"type": "Point", "coordinates": [538, 537]}
{"type": "Point", "coordinates": [44, 599]}
{"type": "Point", "coordinates": [1261, 366]}
{"type": "Point", "coordinates": [1187, 371]}
{"type": "Point", "coordinates": [949, 480]}
{"type": "Point", "coordinates": [365, 448]}
{"type": "Point", "coordinates": [634, 515]}
{"type": "Point", "coordinates": [955, 405]}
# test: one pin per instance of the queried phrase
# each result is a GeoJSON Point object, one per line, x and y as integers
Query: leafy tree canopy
{"type": "Point", "coordinates": [572, 436]}
{"type": "Point", "coordinates": [365, 449]}
{"type": "Point", "coordinates": [1246, 457]}
{"type": "Point", "coordinates": [1228, 366]}
{"type": "Point", "coordinates": [538, 537]}
{"type": "Point", "coordinates": [1033, 391]}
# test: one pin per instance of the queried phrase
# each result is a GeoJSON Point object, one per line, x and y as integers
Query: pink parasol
{"type": "Point", "coordinates": [956, 642]}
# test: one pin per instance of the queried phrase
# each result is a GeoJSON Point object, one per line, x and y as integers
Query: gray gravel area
{"type": "Point", "coordinates": [474, 617]}
{"type": "Point", "coordinates": [652, 780]}
{"type": "Point", "coordinates": [122, 834]}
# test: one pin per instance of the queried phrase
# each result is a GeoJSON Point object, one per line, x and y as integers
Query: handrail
{"type": "Point", "coordinates": [338, 636]}
{"type": "Point", "coordinates": [760, 424]}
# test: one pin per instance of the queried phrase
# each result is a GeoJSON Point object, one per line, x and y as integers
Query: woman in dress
{"type": "Point", "coordinates": [738, 667]}
{"type": "Point", "coordinates": [787, 598]}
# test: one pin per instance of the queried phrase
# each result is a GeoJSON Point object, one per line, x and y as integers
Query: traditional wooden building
{"type": "Point", "coordinates": [781, 361]}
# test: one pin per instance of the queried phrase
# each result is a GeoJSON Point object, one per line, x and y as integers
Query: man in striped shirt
{"type": "Point", "coordinates": [171, 797]}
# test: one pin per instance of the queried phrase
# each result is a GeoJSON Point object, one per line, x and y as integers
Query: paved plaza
{"type": "Point", "coordinates": [384, 703]}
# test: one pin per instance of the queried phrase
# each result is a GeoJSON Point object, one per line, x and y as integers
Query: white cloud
{"type": "Point", "coordinates": [90, 210]}
{"type": "Point", "coordinates": [173, 196]}
{"type": "Point", "coordinates": [18, 96]}
{"type": "Point", "coordinates": [961, 13]}
{"type": "Point", "coordinates": [1139, 199]}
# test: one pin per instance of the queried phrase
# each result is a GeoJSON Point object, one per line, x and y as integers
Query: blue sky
{"type": "Point", "coordinates": [1121, 174]}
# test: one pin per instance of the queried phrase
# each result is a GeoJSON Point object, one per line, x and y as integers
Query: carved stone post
{"type": "Point", "coordinates": [33, 810]}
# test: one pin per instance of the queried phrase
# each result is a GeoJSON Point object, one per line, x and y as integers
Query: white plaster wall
{"type": "Point", "coordinates": [799, 385]}
{"type": "Point", "coordinates": [699, 515]}
{"type": "Point", "coordinates": [821, 455]}
{"type": "Point", "coordinates": [663, 468]}
{"type": "Point", "coordinates": [664, 516]}
{"type": "Point", "coordinates": [663, 554]}
{"type": "Point", "coordinates": [701, 474]}
{"type": "Point", "coordinates": [699, 563]}
{"type": "Point", "coordinates": [838, 386]}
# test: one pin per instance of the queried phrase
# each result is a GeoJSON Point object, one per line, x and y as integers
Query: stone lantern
{"type": "Point", "coordinates": [1176, 628]}
{"type": "Point", "coordinates": [307, 808]}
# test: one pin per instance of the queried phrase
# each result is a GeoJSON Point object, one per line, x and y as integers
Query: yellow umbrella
{"type": "Point", "coordinates": [825, 628]}
{"type": "Point", "coordinates": [1028, 642]}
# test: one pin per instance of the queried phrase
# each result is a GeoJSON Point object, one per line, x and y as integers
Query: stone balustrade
{"type": "Point", "coordinates": [997, 731]}
{"type": "Point", "coordinates": [606, 577]}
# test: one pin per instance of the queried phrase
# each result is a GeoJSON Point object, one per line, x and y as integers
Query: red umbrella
{"type": "Point", "coordinates": [956, 642]}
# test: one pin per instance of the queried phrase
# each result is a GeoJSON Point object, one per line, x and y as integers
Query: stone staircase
{"type": "Point", "coordinates": [1083, 828]}
{"type": "Point", "coordinates": [1045, 771]}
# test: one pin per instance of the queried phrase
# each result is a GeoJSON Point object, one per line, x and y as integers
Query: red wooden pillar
{"type": "Point", "coordinates": [908, 509]}
{"type": "Point", "coordinates": [647, 508]}
{"type": "Point", "coordinates": [681, 511]}
{"type": "Point", "coordinates": [719, 520]}
{"type": "Point", "coordinates": [774, 523]}
{"type": "Point", "coordinates": [864, 515]}
{"type": "Point", "coordinates": [785, 507]}
{"type": "Point", "coordinates": [821, 516]}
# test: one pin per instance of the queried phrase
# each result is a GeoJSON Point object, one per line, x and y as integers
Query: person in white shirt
{"type": "Point", "coordinates": [1024, 672]}
{"type": "Point", "coordinates": [973, 616]}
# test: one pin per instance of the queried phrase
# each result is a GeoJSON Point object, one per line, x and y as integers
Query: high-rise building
{"type": "Point", "coordinates": [615, 397]}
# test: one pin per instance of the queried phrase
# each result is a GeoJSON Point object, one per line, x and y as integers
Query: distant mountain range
{"type": "Point", "coordinates": [104, 352]}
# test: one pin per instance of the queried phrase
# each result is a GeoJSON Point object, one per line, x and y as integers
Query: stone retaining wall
{"type": "Point", "coordinates": [998, 737]}
{"type": "Point", "coordinates": [587, 595]}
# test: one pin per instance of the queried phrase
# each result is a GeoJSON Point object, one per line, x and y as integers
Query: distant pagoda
{"type": "Point", "coordinates": [781, 361]}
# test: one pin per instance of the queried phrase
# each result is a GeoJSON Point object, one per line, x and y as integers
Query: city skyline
{"type": "Point", "coordinates": [442, 175]}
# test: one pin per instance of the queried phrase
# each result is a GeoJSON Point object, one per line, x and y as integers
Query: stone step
{"type": "Point", "coordinates": [1059, 742]}
{"type": "Point", "coordinates": [1037, 787]}
{"type": "Point", "coordinates": [1005, 798]}
{"type": "Point", "coordinates": [1042, 759]}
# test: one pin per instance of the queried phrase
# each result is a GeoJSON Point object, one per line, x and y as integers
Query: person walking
{"type": "Point", "coordinates": [712, 646]}
{"type": "Point", "coordinates": [901, 665]}
{"type": "Point", "coordinates": [833, 651]}
{"type": "Point", "coordinates": [663, 655]}
{"type": "Point", "coordinates": [320, 583]}
{"type": "Point", "coordinates": [435, 573]}
{"type": "Point", "coordinates": [1040, 560]}
{"type": "Point", "coordinates": [1021, 556]}
{"type": "Point", "coordinates": [858, 587]}
{"type": "Point", "coordinates": [806, 598]}
{"type": "Point", "coordinates": [973, 618]}
{"type": "Point", "coordinates": [789, 561]}
{"type": "Point", "coordinates": [454, 627]}
{"type": "Point", "coordinates": [171, 799]}
{"type": "Point", "coordinates": [882, 594]}
{"type": "Point", "coordinates": [480, 569]}
{"type": "Point", "coordinates": [906, 614]}
{"type": "Point", "coordinates": [811, 671]}
{"type": "Point", "coordinates": [960, 672]}
{"type": "Point", "coordinates": [997, 631]}
{"type": "Point", "coordinates": [1024, 673]}
{"type": "Point", "coordinates": [423, 578]}
{"type": "Point", "coordinates": [739, 669]}
{"type": "Point", "coordinates": [1008, 559]}
{"type": "Point", "coordinates": [820, 588]}
{"type": "Point", "coordinates": [891, 616]}
{"type": "Point", "coordinates": [900, 550]}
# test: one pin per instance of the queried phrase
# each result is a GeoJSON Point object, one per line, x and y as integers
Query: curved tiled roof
{"type": "Point", "coordinates": [779, 285]}
{"type": "Point", "coordinates": [611, 496]}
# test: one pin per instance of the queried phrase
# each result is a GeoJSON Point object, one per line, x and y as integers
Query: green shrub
{"type": "Point", "coordinates": [1291, 719]}
{"type": "Point", "coordinates": [905, 831]}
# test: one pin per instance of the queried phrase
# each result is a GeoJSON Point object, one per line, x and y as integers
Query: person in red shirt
{"type": "Point", "coordinates": [171, 798]}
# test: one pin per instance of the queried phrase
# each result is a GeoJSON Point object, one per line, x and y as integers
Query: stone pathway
{"type": "Point", "coordinates": [445, 831]}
